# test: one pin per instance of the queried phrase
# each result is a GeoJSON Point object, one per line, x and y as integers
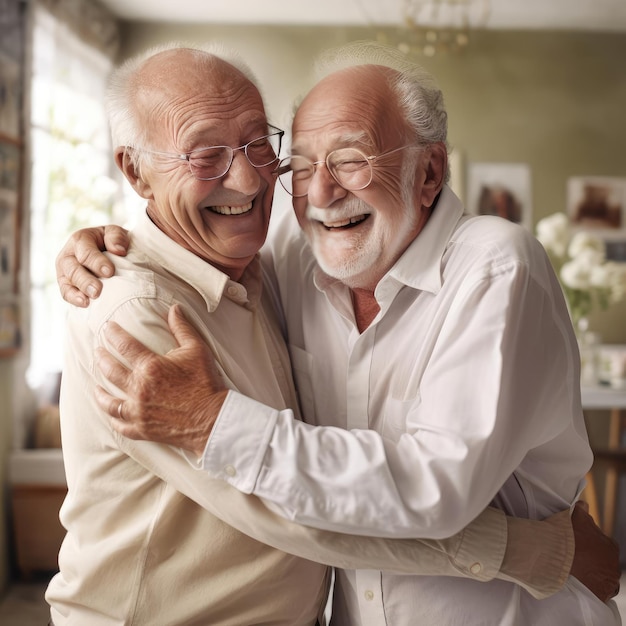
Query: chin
{"type": "Point", "coordinates": [352, 274]}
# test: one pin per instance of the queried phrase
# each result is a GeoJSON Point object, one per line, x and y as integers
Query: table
{"type": "Point", "coordinates": [613, 456]}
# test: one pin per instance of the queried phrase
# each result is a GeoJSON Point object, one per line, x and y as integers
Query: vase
{"type": "Point", "coordinates": [589, 348]}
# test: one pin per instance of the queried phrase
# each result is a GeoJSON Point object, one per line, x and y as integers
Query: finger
{"type": "Point", "coordinates": [125, 429]}
{"type": "Point", "coordinates": [72, 295]}
{"type": "Point", "coordinates": [183, 331]}
{"type": "Point", "coordinates": [72, 272]}
{"type": "Point", "coordinates": [108, 403]}
{"type": "Point", "coordinates": [114, 371]}
{"type": "Point", "coordinates": [86, 246]}
{"type": "Point", "coordinates": [125, 344]}
{"type": "Point", "coordinates": [116, 239]}
{"type": "Point", "coordinates": [581, 504]}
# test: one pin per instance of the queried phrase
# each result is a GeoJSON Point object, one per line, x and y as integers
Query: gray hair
{"type": "Point", "coordinates": [120, 102]}
{"type": "Point", "coordinates": [419, 96]}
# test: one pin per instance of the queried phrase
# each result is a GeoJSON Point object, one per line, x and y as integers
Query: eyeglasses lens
{"type": "Point", "coordinates": [349, 167]}
{"type": "Point", "coordinates": [211, 163]}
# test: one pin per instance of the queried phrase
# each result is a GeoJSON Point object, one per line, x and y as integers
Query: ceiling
{"type": "Point", "coordinates": [594, 15]}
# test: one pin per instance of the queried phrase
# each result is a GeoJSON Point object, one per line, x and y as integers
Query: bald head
{"type": "Point", "coordinates": [145, 86]}
{"type": "Point", "coordinates": [360, 97]}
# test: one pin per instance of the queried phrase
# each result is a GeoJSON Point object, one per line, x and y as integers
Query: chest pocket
{"type": "Point", "coordinates": [396, 417]}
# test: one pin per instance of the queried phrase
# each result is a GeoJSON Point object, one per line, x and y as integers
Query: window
{"type": "Point", "coordinates": [73, 178]}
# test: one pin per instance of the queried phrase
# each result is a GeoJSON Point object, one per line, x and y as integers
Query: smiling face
{"type": "Point", "coordinates": [186, 104]}
{"type": "Point", "coordinates": [357, 236]}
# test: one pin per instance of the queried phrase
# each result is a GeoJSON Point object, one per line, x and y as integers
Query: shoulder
{"type": "Point", "coordinates": [498, 239]}
{"type": "Point", "coordinates": [135, 294]}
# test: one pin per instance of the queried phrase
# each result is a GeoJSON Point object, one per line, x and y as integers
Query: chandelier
{"type": "Point", "coordinates": [438, 26]}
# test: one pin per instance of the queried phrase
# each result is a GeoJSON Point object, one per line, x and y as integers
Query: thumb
{"type": "Point", "coordinates": [182, 330]}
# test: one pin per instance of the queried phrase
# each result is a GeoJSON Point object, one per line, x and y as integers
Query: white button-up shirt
{"type": "Point", "coordinates": [463, 391]}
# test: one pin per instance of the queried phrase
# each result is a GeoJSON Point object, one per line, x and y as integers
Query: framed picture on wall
{"type": "Point", "coordinates": [502, 189]}
{"type": "Point", "coordinates": [598, 203]}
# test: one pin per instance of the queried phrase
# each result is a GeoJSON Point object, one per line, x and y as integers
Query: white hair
{"type": "Point", "coordinates": [418, 94]}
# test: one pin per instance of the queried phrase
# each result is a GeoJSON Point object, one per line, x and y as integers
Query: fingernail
{"type": "Point", "coordinates": [92, 292]}
{"type": "Point", "coordinates": [105, 270]}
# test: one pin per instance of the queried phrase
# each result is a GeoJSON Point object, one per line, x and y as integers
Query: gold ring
{"type": "Point", "coordinates": [119, 410]}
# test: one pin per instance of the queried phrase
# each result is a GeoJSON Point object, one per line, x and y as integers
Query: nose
{"type": "Point", "coordinates": [324, 190]}
{"type": "Point", "coordinates": [242, 176]}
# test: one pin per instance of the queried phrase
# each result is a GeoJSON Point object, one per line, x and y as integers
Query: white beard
{"type": "Point", "coordinates": [365, 260]}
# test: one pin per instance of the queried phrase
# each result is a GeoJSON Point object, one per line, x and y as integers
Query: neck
{"type": "Point", "coordinates": [365, 307]}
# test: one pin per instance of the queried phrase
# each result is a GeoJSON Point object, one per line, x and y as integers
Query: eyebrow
{"type": "Point", "coordinates": [199, 138]}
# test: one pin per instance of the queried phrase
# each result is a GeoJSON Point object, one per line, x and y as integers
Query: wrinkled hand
{"type": "Point", "coordinates": [81, 262]}
{"type": "Point", "coordinates": [172, 399]}
{"type": "Point", "coordinates": [596, 560]}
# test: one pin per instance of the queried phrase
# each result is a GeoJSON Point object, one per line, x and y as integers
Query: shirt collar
{"type": "Point", "coordinates": [420, 265]}
{"type": "Point", "coordinates": [211, 283]}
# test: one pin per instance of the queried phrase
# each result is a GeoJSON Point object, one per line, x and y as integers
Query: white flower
{"type": "Point", "coordinates": [616, 280]}
{"type": "Point", "coordinates": [587, 278]}
{"type": "Point", "coordinates": [553, 233]}
{"type": "Point", "coordinates": [576, 274]}
{"type": "Point", "coordinates": [601, 276]}
{"type": "Point", "coordinates": [585, 245]}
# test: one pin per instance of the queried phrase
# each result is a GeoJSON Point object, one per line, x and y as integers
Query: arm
{"type": "Point", "coordinates": [537, 556]}
{"type": "Point", "coordinates": [249, 515]}
{"type": "Point", "coordinates": [80, 262]}
{"type": "Point", "coordinates": [298, 466]}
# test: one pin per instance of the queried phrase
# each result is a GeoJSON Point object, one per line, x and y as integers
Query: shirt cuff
{"type": "Point", "coordinates": [480, 551]}
{"type": "Point", "coordinates": [539, 555]}
{"type": "Point", "coordinates": [239, 440]}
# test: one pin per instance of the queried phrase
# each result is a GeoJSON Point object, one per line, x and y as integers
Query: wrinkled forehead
{"type": "Point", "coordinates": [191, 97]}
{"type": "Point", "coordinates": [182, 73]}
{"type": "Point", "coordinates": [354, 105]}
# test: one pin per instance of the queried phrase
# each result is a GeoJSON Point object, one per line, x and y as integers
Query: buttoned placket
{"type": "Point", "coordinates": [368, 582]}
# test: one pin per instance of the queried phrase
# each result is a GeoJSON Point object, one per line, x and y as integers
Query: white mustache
{"type": "Point", "coordinates": [351, 208]}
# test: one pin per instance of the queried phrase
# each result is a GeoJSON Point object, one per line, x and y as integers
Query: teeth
{"type": "Point", "coordinates": [232, 210]}
{"type": "Point", "coordinates": [339, 224]}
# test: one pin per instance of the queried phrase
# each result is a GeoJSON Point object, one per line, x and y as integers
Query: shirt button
{"type": "Point", "coordinates": [232, 290]}
{"type": "Point", "coordinates": [369, 595]}
{"type": "Point", "coordinates": [230, 470]}
{"type": "Point", "coordinates": [476, 568]}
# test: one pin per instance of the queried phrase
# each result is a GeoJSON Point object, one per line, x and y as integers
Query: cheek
{"type": "Point", "coordinates": [300, 206]}
{"type": "Point", "coordinates": [386, 190]}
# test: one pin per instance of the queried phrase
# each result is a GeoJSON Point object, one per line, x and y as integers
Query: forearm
{"type": "Point", "coordinates": [480, 551]}
{"type": "Point", "coordinates": [294, 467]}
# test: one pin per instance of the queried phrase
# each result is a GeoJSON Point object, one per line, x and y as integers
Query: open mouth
{"type": "Point", "coordinates": [349, 222]}
{"type": "Point", "coordinates": [231, 210]}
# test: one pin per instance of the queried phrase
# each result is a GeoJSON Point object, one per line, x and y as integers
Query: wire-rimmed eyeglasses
{"type": "Point", "coordinates": [214, 161]}
{"type": "Point", "coordinates": [351, 168]}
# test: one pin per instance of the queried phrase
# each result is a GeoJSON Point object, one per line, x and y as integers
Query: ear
{"type": "Point", "coordinates": [133, 174]}
{"type": "Point", "coordinates": [435, 168]}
